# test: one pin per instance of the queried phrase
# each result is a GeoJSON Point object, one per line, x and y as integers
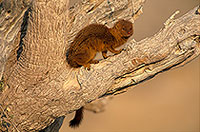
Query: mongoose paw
{"type": "Point", "coordinates": [105, 57]}
{"type": "Point", "coordinates": [118, 52]}
{"type": "Point", "coordinates": [121, 50]}
{"type": "Point", "coordinates": [94, 62]}
{"type": "Point", "coordinates": [87, 66]}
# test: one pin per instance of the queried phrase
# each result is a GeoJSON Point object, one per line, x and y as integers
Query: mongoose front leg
{"type": "Point", "coordinates": [104, 54]}
{"type": "Point", "coordinates": [111, 49]}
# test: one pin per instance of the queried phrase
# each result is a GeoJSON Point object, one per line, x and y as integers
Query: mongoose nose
{"type": "Point", "coordinates": [129, 32]}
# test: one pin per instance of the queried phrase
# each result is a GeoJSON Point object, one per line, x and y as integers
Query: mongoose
{"type": "Point", "coordinates": [97, 38]}
{"type": "Point", "coordinates": [92, 39]}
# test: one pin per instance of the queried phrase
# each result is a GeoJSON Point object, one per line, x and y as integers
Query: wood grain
{"type": "Point", "coordinates": [40, 86]}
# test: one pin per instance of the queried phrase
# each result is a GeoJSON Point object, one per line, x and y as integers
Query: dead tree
{"type": "Point", "coordinates": [37, 84]}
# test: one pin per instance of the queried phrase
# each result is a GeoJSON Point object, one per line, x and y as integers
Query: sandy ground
{"type": "Point", "coordinates": [167, 103]}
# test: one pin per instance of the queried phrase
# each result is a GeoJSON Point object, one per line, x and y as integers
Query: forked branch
{"type": "Point", "coordinates": [40, 86]}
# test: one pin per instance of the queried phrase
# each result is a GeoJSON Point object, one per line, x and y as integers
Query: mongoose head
{"type": "Point", "coordinates": [125, 28]}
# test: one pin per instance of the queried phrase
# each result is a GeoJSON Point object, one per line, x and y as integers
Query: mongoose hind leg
{"type": "Point", "coordinates": [94, 62]}
{"type": "Point", "coordinates": [104, 54]}
{"type": "Point", "coordinates": [87, 66]}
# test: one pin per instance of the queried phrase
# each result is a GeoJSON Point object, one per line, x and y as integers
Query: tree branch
{"type": "Point", "coordinates": [40, 86]}
{"type": "Point", "coordinates": [174, 46]}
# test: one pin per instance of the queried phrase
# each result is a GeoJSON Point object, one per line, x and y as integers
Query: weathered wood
{"type": "Point", "coordinates": [55, 126]}
{"type": "Point", "coordinates": [41, 86]}
{"type": "Point", "coordinates": [11, 15]}
{"type": "Point", "coordinates": [173, 46]}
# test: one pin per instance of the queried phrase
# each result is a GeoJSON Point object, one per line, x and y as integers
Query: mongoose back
{"type": "Point", "coordinates": [97, 38]}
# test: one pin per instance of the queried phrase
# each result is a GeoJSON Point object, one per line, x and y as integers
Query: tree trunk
{"type": "Point", "coordinates": [39, 86]}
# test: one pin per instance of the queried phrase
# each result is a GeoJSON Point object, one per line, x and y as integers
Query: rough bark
{"type": "Point", "coordinates": [40, 86]}
{"type": "Point", "coordinates": [11, 15]}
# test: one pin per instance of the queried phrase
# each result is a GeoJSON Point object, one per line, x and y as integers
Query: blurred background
{"type": "Point", "coordinates": [167, 103]}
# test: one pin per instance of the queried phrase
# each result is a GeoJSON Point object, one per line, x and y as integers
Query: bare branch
{"type": "Point", "coordinates": [175, 45]}
{"type": "Point", "coordinates": [40, 86]}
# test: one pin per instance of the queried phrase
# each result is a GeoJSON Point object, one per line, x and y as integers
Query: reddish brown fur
{"type": "Point", "coordinates": [95, 38]}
